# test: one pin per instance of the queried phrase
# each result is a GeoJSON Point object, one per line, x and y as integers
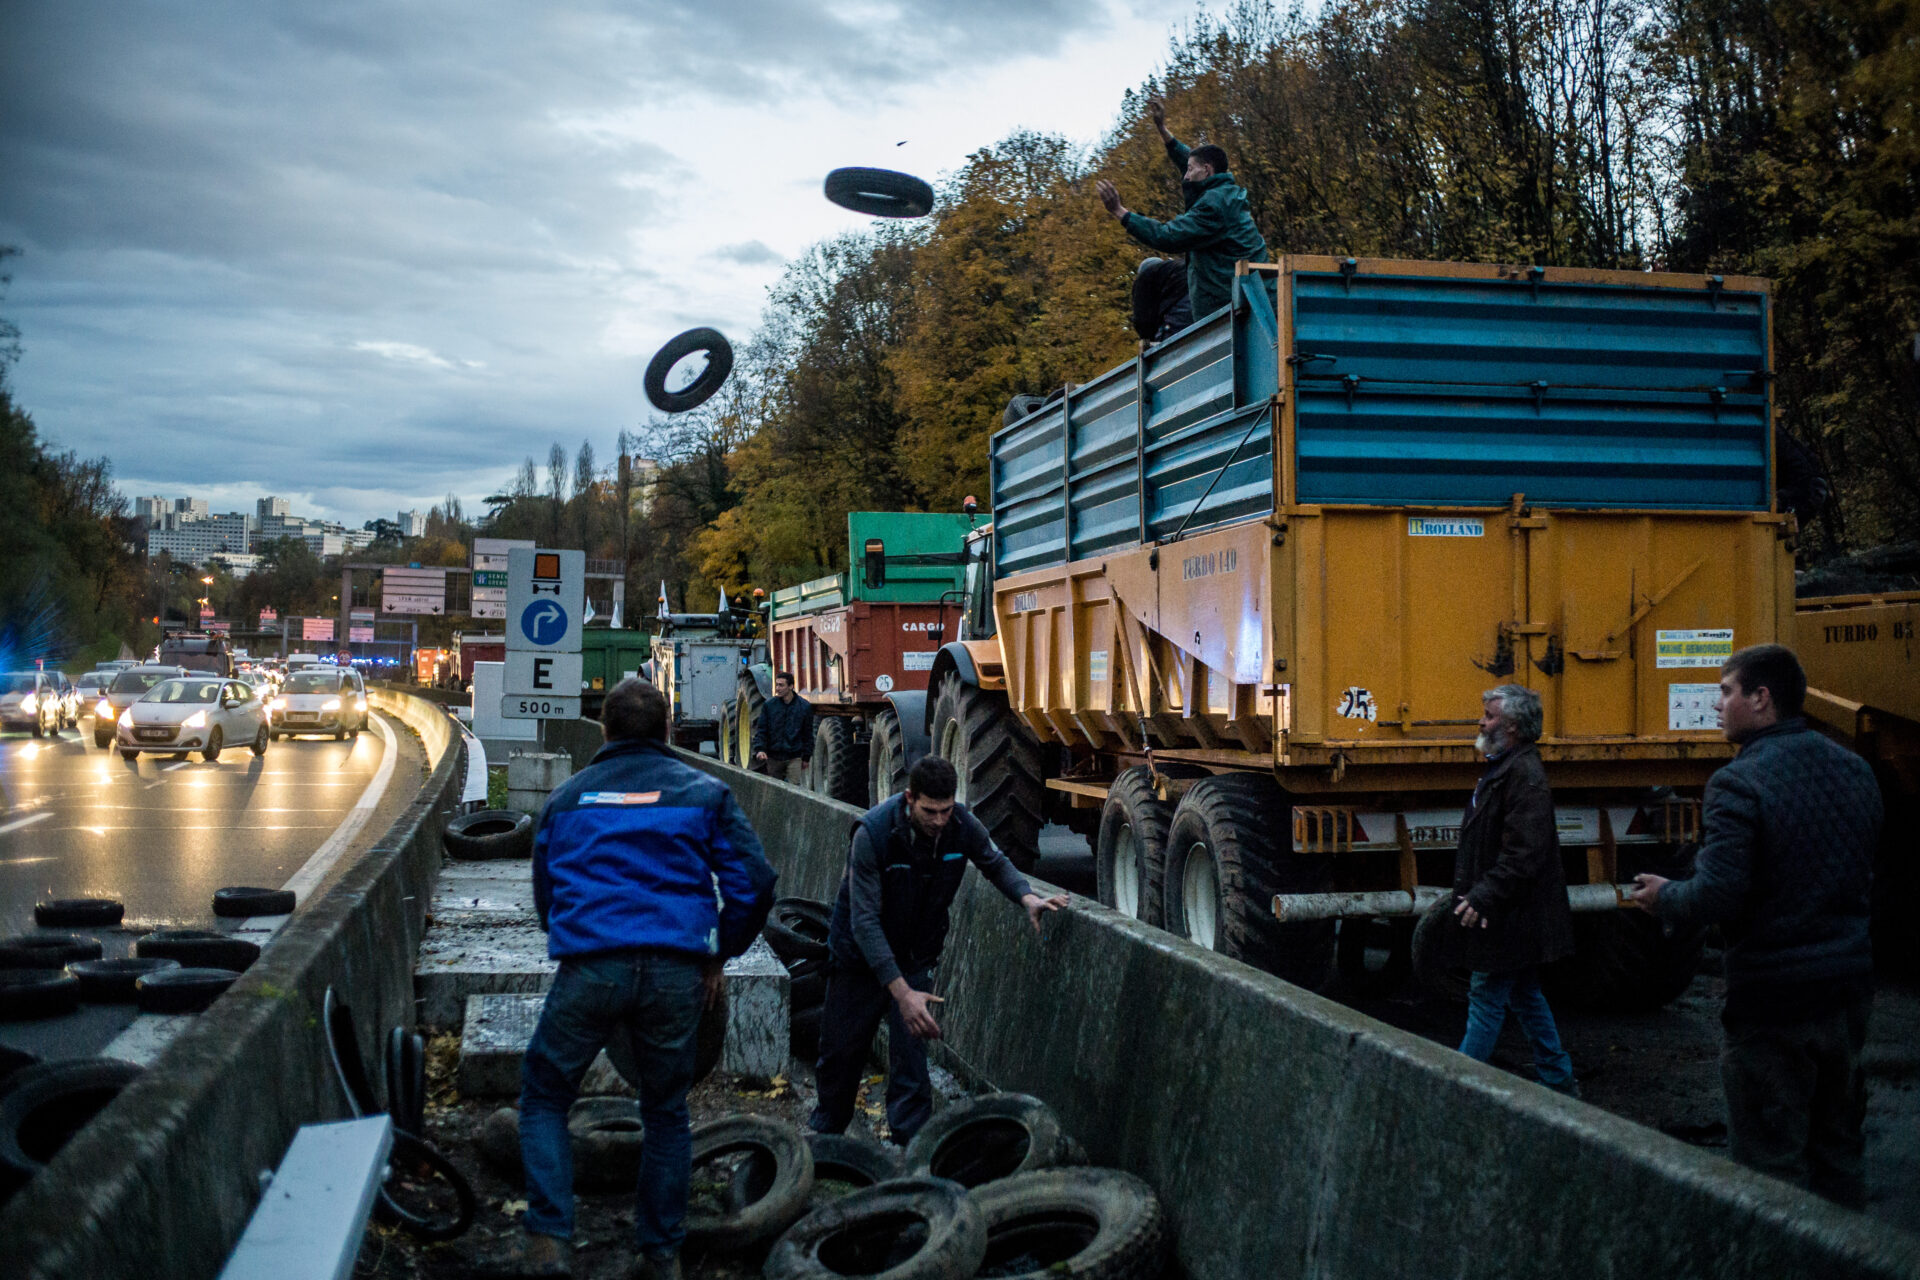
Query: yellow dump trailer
{"type": "Point", "coordinates": [1247, 591]}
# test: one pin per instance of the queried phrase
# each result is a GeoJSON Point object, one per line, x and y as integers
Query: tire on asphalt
{"type": "Point", "coordinates": [728, 744]}
{"type": "Point", "coordinates": [47, 950]}
{"type": "Point", "coordinates": [681, 345]}
{"type": "Point", "coordinates": [748, 703]}
{"type": "Point", "coordinates": [240, 902]}
{"type": "Point", "coordinates": [37, 993]}
{"type": "Point", "coordinates": [992, 1135]}
{"type": "Point", "coordinates": [488, 834]}
{"type": "Point", "coordinates": [1080, 1224]}
{"type": "Point", "coordinates": [839, 767]}
{"type": "Point", "coordinates": [214, 742]}
{"type": "Point", "coordinates": [81, 912]}
{"type": "Point", "coordinates": [260, 741]}
{"type": "Point", "coordinates": [42, 1115]}
{"type": "Point", "coordinates": [1624, 962]}
{"type": "Point", "coordinates": [879, 193]}
{"type": "Point", "coordinates": [199, 948]}
{"type": "Point", "coordinates": [843, 1164]}
{"type": "Point", "coordinates": [886, 757]}
{"type": "Point", "coordinates": [998, 762]}
{"type": "Point", "coordinates": [102, 740]}
{"type": "Point", "coordinates": [1436, 953]}
{"type": "Point", "coordinates": [129, 755]}
{"type": "Point", "coordinates": [1359, 937]}
{"type": "Point", "coordinates": [796, 928]}
{"type": "Point", "coordinates": [912, 1228]}
{"type": "Point", "coordinates": [1229, 851]}
{"type": "Point", "coordinates": [765, 1191]}
{"type": "Point", "coordinates": [113, 981]}
{"type": "Point", "coordinates": [1130, 849]}
{"type": "Point", "coordinates": [184, 990]}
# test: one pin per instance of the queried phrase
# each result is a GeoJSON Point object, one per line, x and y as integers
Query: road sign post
{"type": "Point", "coordinates": [546, 605]}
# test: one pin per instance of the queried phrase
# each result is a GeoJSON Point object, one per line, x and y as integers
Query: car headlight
{"type": "Point", "coordinates": [360, 704]}
{"type": "Point", "coordinates": [198, 720]}
{"type": "Point", "coordinates": [331, 704]}
{"type": "Point", "coordinates": [104, 710]}
{"type": "Point", "coordinates": [29, 704]}
{"type": "Point", "coordinates": [126, 718]}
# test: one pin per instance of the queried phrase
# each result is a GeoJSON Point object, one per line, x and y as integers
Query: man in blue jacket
{"type": "Point", "coordinates": [1786, 870]}
{"type": "Point", "coordinates": [1215, 232]}
{"type": "Point", "coordinates": [626, 863]}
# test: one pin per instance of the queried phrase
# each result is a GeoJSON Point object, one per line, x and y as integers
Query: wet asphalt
{"type": "Point", "coordinates": [161, 835]}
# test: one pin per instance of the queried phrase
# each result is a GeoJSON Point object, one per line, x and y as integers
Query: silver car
{"type": "Point", "coordinates": [31, 700]}
{"type": "Point", "coordinates": [321, 699]}
{"type": "Point", "coordinates": [127, 688]}
{"type": "Point", "coordinates": [189, 714]}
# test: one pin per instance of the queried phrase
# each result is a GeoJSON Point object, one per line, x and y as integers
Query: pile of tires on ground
{"type": "Point", "coordinates": [993, 1186]}
{"type": "Point", "coordinates": [796, 929]}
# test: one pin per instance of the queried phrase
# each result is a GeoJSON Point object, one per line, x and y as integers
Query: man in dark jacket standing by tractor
{"type": "Point", "coordinates": [1215, 232]}
{"type": "Point", "coordinates": [1786, 869]}
{"type": "Point", "coordinates": [647, 878]}
{"type": "Point", "coordinates": [783, 735]}
{"type": "Point", "coordinates": [906, 860]}
{"type": "Point", "coordinates": [1510, 890]}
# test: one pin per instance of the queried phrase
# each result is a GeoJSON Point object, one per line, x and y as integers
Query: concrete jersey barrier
{"type": "Point", "coordinates": [162, 1183]}
{"type": "Point", "coordinates": [1293, 1137]}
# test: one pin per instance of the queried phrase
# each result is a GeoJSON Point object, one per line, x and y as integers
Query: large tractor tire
{"type": "Point", "coordinates": [998, 762]}
{"type": "Point", "coordinates": [1130, 850]}
{"type": "Point", "coordinates": [839, 766]}
{"type": "Point", "coordinates": [747, 702]}
{"type": "Point", "coordinates": [1623, 962]}
{"type": "Point", "coordinates": [1229, 851]}
{"type": "Point", "coordinates": [887, 757]}
{"type": "Point", "coordinates": [729, 741]}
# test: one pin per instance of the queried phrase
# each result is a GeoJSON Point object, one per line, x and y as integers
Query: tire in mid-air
{"type": "Point", "coordinates": [998, 761]}
{"type": "Point", "coordinates": [679, 347]}
{"type": "Point", "coordinates": [880, 193]}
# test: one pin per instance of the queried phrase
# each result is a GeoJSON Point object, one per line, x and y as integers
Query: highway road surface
{"type": "Point", "coordinates": [161, 835]}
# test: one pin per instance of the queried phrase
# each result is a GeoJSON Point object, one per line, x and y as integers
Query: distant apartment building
{"type": "Point", "coordinates": [152, 511]}
{"type": "Point", "coordinates": [237, 563]}
{"type": "Point", "coordinates": [190, 508]}
{"type": "Point", "coordinates": [196, 540]}
{"type": "Point", "coordinates": [357, 539]}
{"type": "Point", "coordinates": [272, 507]}
{"type": "Point", "coordinates": [413, 524]}
{"type": "Point", "coordinates": [643, 478]}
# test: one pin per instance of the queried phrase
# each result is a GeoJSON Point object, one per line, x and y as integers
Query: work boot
{"type": "Point", "coordinates": [532, 1257]}
{"type": "Point", "coordinates": [666, 1267]}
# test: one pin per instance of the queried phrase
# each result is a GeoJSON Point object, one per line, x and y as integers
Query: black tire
{"type": "Point", "coordinates": [185, 990]}
{"type": "Point", "coordinates": [905, 1229]}
{"type": "Point", "coordinates": [993, 1135]}
{"type": "Point", "coordinates": [343, 1048]}
{"type": "Point", "coordinates": [748, 702]}
{"type": "Point", "coordinates": [488, 834]}
{"type": "Point", "coordinates": [273, 735]}
{"type": "Point", "coordinates": [796, 928]}
{"type": "Point", "coordinates": [39, 725]}
{"type": "Point", "coordinates": [709, 1041]}
{"type": "Point", "coordinates": [214, 742]}
{"type": "Point", "coordinates": [806, 983]}
{"type": "Point", "coordinates": [1079, 1224]}
{"type": "Point", "coordinates": [199, 948]}
{"type": "Point", "coordinates": [752, 1204]}
{"type": "Point", "coordinates": [260, 741]}
{"type": "Point", "coordinates": [12, 1063]}
{"type": "Point", "coordinates": [606, 1136]}
{"type": "Point", "coordinates": [339, 735]}
{"type": "Point", "coordinates": [129, 755]}
{"type": "Point", "coordinates": [886, 757]}
{"type": "Point", "coordinates": [879, 193]}
{"type": "Point", "coordinates": [412, 1164]}
{"type": "Point", "coordinates": [838, 1158]}
{"type": "Point", "coordinates": [112, 981]}
{"type": "Point", "coordinates": [998, 762]}
{"type": "Point", "coordinates": [1133, 828]}
{"type": "Point", "coordinates": [727, 746]}
{"type": "Point", "coordinates": [102, 740]}
{"type": "Point", "coordinates": [803, 1033]}
{"type": "Point", "coordinates": [1624, 962]}
{"type": "Point", "coordinates": [79, 912]}
{"type": "Point", "coordinates": [1019, 407]}
{"type": "Point", "coordinates": [37, 993]}
{"type": "Point", "coordinates": [47, 950]}
{"type": "Point", "coordinates": [239, 902]}
{"type": "Point", "coordinates": [679, 347]}
{"type": "Point", "coordinates": [1238, 823]}
{"type": "Point", "coordinates": [1359, 937]}
{"type": "Point", "coordinates": [1437, 954]}
{"type": "Point", "coordinates": [41, 1115]}
{"type": "Point", "coordinates": [405, 1070]}
{"type": "Point", "coordinates": [839, 768]}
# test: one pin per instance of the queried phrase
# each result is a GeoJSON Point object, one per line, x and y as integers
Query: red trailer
{"type": "Point", "coordinates": [861, 652]}
{"type": "Point", "coordinates": [474, 649]}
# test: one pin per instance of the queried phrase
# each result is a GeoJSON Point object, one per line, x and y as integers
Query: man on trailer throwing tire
{"type": "Point", "coordinates": [907, 859]}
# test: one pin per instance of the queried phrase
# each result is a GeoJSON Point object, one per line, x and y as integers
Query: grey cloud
{"type": "Point", "coordinates": [751, 253]}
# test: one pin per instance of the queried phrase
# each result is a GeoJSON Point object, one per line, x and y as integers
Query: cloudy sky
{"type": "Point", "coordinates": [361, 255]}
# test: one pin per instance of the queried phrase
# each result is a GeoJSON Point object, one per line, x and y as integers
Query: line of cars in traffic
{"type": "Point", "coordinates": [159, 707]}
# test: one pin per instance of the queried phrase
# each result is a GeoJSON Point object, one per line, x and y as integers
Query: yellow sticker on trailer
{"type": "Point", "coordinates": [1692, 648]}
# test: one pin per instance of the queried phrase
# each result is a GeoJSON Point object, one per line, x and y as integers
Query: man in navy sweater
{"type": "Point", "coordinates": [626, 864]}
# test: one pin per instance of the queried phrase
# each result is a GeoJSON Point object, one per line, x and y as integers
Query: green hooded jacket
{"type": "Point", "coordinates": [1215, 232]}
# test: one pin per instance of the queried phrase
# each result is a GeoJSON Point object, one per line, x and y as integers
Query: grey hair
{"type": "Point", "coordinates": [1519, 708]}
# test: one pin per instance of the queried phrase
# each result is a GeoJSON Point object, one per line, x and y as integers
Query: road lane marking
{"type": "Point", "coordinates": [27, 821]}
{"type": "Point", "coordinates": [309, 876]}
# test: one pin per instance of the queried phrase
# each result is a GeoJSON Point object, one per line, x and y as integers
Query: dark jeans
{"type": "Point", "coordinates": [657, 995]}
{"type": "Point", "coordinates": [1488, 1000]}
{"type": "Point", "coordinates": [1796, 1101]}
{"type": "Point", "coordinates": [854, 1006]}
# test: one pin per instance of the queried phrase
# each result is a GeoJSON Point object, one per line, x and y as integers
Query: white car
{"type": "Point", "coordinates": [323, 700]}
{"type": "Point", "coordinates": [32, 700]}
{"type": "Point", "coordinates": [194, 714]}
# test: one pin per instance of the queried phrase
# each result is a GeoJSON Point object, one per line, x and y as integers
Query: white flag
{"type": "Point", "coordinates": [663, 598]}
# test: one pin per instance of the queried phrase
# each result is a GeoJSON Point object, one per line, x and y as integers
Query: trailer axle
{"type": "Point", "coordinates": [1296, 907]}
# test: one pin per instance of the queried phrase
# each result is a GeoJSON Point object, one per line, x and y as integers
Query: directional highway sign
{"type": "Point", "coordinates": [546, 604]}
